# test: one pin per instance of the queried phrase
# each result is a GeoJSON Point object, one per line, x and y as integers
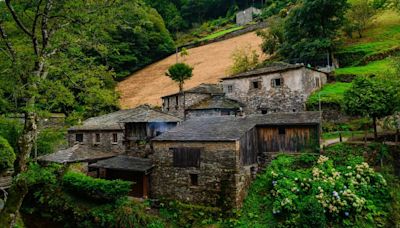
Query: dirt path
{"type": "Point", "coordinates": [210, 63]}
{"type": "Point", "coordinates": [329, 142]}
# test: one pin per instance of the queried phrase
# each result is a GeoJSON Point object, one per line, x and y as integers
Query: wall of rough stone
{"type": "Point", "coordinates": [178, 110]}
{"type": "Point", "coordinates": [206, 112]}
{"type": "Point", "coordinates": [106, 140]}
{"type": "Point", "coordinates": [297, 85]}
{"type": "Point", "coordinates": [221, 179]}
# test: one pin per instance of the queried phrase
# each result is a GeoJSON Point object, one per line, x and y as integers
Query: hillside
{"type": "Point", "coordinates": [210, 63]}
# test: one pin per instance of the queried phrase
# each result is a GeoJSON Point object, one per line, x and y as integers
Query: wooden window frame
{"type": "Point", "coordinates": [229, 89]}
{"type": "Point", "coordinates": [253, 84]}
{"type": "Point", "coordinates": [184, 157]}
{"type": "Point", "coordinates": [281, 130]}
{"type": "Point", "coordinates": [274, 80]}
{"type": "Point", "coordinates": [76, 137]}
{"type": "Point", "coordinates": [97, 138]}
{"type": "Point", "coordinates": [115, 138]}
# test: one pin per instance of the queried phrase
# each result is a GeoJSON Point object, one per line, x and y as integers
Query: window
{"type": "Point", "coordinates": [277, 82]}
{"type": "Point", "coordinates": [186, 157]}
{"type": "Point", "coordinates": [97, 138]}
{"type": "Point", "coordinates": [115, 137]}
{"type": "Point", "coordinates": [264, 111]}
{"type": "Point", "coordinates": [194, 179]}
{"type": "Point", "coordinates": [79, 137]}
{"type": "Point", "coordinates": [176, 102]}
{"type": "Point", "coordinates": [256, 84]}
{"type": "Point", "coordinates": [282, 130]}
{"type": "Point", "coordinates": [230, 88]}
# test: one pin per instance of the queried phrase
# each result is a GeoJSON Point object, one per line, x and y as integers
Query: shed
{"type": "Point", "coordinates": [127, 168]}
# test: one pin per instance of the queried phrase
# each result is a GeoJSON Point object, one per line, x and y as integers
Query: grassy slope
{"type": "Point", "coordinates": [330, 93]}
{"type": "Point", "coordinates": [382, 36]}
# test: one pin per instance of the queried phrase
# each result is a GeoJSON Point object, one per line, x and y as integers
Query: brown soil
{"type": "Point", "coordinates": [211, 62]}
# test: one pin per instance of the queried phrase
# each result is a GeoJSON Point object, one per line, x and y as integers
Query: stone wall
{"type": "Point", "coordinates": [206, 112]}
{"type": "Point", "coordinates": [291, 96]}
{"type": "Point", "coordinates": [221, 179]}
{"type": "Point", "coordinates": [188, 99]}
{"type": "Point", "coordinates": [106, 140]}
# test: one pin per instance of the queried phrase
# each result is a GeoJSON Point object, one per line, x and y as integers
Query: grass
{"type": "Point", "coordinates": [383, 35]}
{"type": "Point", "coordinates": [330, 93]}
{"type": "Point", "coordinates": [375, 67]}
{"type": "Point", "coordinates": [345, 134]}
{"type": "Point", "coordinates": [220, 33]}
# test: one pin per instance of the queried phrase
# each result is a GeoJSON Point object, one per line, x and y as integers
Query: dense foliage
{"type": "Point", "coordinates": [180, 72]}
{"type": "Point", "coordinates": [374, 98]}
{"type": "Point", "coordinates": [335, 190]}
{"type": "Point", "coordinates": [101, 189]}
{"type": "Point", "coordinates": [7, 155]}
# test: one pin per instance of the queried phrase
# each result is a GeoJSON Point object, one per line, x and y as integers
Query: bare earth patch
{"type": "Point", "coordinates": [210, 63]}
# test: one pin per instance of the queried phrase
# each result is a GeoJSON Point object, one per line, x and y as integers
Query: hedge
{"type": "Point", "coordinates": [82, 185]}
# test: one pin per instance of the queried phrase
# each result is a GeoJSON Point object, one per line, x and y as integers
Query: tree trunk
{"type": "Point", "coordinates": [375, 130]}
{"type": "Point", "coordinates": [19, 188]}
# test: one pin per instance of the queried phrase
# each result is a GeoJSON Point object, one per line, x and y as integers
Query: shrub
{"type": "Point", "coordinates": [95, 188]}
{"type": "Point", "coordinates": [49, 140]}
{"type": "Point", "coordinates": [7, 155]}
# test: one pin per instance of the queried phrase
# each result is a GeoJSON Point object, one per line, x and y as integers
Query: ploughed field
{"type": "Point", "coordinates": [211, 62]}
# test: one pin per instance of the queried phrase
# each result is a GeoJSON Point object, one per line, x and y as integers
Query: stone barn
{"type": "Point", "coordinates": [175, 104]}
{"type": "Point", "coordinates": [212, 160]}
{"type": "Point", "coordinates": [246, 16]}
{"type": "Point", "coordinates": [278, 87]}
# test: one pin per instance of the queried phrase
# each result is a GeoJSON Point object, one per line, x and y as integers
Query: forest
{"type": "Point", "coordinates": [68, 56]}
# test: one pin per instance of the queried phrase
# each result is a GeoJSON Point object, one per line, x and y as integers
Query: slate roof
{"type": "Point", "coordinates": [112, 121]}
{"type": "Point", "coordinates": [231, 128]}
{"type": "Point", "coordinates": [124, 162]}
{"type": "Point", "coordinates": [271, 68]}
{"type": "Point", "coordinates": [203, 89]}
{"type": "Point", "coordinates": [76, 153]}
{"type": "Point", "coordinates": [216, 102]}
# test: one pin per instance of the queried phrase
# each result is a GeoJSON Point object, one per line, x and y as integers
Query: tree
{"type": "Point", "coordinates": [360, 15]}
{"type": "Point", "coordinates": [43, 45]}
{"type": "Point", "coordinates": [310, 29]}
{"type": "Point", "coordinates": [273, 36]}
{"type": "Point", "coordinates": [244, 59]}
{"type": "Point", "coordinates": [374, 98]}
{"type": "Point", "coordinates": [180, 72]}
{"type": "Point", "coordinates": [7, 155]}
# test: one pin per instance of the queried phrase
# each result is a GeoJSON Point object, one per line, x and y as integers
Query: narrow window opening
{"type": "Point", "coordinates": [230, 88]}
{"type": "Point", "coordinates": [115, 138]}
{"type": "Point", "coordinates": [264, 111]}
{"type": "Point", "coordinates": [194, 179]}
{"type": "Point", "coordinates": [277, 82]}
{"type": "Point", "coordinates": [282, 130]}
{"type": "Point", "coordinates": [256, 84]}
{"type": "Point", "coordinates": [79, 137]}
{"type": "Point", "coordinates": [97, 138]}
{"type": "Point", "coordinates": [294, 110]}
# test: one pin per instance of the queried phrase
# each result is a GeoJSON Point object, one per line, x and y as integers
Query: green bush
{"type": "Point", "coordinates": [7, 155]}
{"type": "Point", "coordinates": [49, 140]}
{"type": "Point", "coordinates": [95, 188]}
{"type": "Point", "coordinates": [336, 191]}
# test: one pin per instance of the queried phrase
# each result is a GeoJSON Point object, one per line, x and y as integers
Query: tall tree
{"type": "Point", "coordinates": [374, 98]}
{"type": "Point", "coordinates": [310, 29]}
{"type": "Point", "coordinates": [360, 15]}
{"type": "Point", "coordinates": [180, 72]}
{"type": "Point", "coordinates": [41, 45]}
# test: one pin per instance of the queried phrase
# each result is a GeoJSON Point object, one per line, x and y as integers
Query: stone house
{"type": "Point", "coordinates": [279, 87]}
{"type": "Point", "coordinates": [212, 160]}
{"type": "Point", "coordinates": [246, 16]}
{"type": "Point", "coordinates": [206, 97]}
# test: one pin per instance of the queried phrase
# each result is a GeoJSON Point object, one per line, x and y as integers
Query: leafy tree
{"type": "Point", "coordinates": [360, 15]}
{"type": "Point", "coordinates": [273, 36]}
{"type": "Point", "coordinates": [374, 98]}
{"type": "Point", "coordinates": [244, 59]}
{"type": "Point", "coordinates": [7, 155]}
{"type": "Point", "coordinates": [45, 67]}
{"type": "Point", "coordinates": [180, 72]}
{"type": "Point", "coordinates": [310, 29]}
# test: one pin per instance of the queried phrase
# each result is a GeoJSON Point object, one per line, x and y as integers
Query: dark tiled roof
{"type": "Point", "coordinates": [271, 68]}
{"type": "Point", "coordinates": [124, 162]}
{"type": "Point", "coordinates": [203, 89]}
{"type": "Point", "coordinates": [77, 153]}
{"type": "Point", "coordinates": [112, 121]}
{"type": "Point", "coordinates": [231, 128]}
{"type": "Point", "coordinates": [216, 102]}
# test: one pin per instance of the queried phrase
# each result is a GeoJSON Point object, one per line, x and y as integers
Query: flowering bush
{"type": "Point", "coordinates": [346, 195]}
